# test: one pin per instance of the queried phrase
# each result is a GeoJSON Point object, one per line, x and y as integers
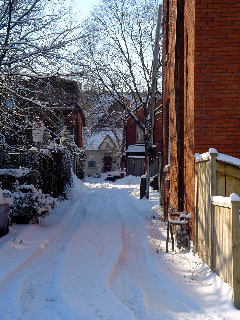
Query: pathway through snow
{"type": "Point", "coordinates": [99, 255]}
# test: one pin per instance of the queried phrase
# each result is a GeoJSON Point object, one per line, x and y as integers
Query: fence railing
{"type": "Point", "coordinates": [217, 238]}
{"type": "Point", "coordinates": [225, 236]}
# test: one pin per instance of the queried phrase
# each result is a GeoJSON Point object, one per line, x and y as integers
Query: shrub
{"type": "Point", "coordinates": [31, 204]}
{"type": "Point", "coordinates": [54, 167]}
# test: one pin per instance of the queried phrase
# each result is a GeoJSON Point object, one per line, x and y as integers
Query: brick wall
{"type": "Point", "coordinates": [74, 120]}
{"type": "Point", "coordinates": [217, 76]}
{"type": "Point", "coordinates": [208, 86]}
{"type": "Point", "coordinates": [130, 132]}
{"type": "Point", "coordinates": [131, 127]}
{"type": "Point", "coordinates": [169, 26]}
{"type": "Point", "coordinates": [188, 76]}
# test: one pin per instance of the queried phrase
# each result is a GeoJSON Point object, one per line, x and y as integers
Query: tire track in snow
{"type": "Point", "coordinates": [48, 272]}
{"type": "Point", "coordinates": [99, 246]}
{"type": "Point", "coordinates": [96, 264]}
{"type": "Point", "coordinates": [131, 280]}
{"type": "Point", "coordinates": [43, 245]}
{"type": "Point", "coordinates": [164, 296]}
{"type": "Point", "coordinates": [135, 279]}
{"type": "Point", "coordinates": [26, 283]}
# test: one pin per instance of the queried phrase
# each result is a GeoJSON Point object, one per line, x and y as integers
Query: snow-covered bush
{"type": "Point", "coordinates": [78, 155]}
{"type": "Point", "coordinates": [31, 204]}
{"type": "Point", "coordinates": [63, 177]}
{"type": "Point", "coordinates": [42, 170]}
{"type": "Point", "coordinates": [54, 166]}
{"type": "Point", "coordinates": [4, 159]}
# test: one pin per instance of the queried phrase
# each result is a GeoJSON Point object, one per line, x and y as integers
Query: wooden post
{"type": "Point", "coordinates": [235, 200]}
{"type": "Point", "coordinates": [196, 207]}
{"type": "Point", "coordinates": [213, 156]}
{"type": "Point", "coordinates": [213, 188]}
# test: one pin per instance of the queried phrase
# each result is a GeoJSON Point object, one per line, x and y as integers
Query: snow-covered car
{"type": "Point", "coordinates": [24, 200]}
{"type": "Point", "coordinates": [114, 175]}
{"type": "Point", "coordinates": [7, 195]}
{"type": "Point", "coordinates": [5, 215]}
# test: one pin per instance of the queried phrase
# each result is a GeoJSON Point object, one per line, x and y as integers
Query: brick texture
{"type": "Point", "coordinates": [217, 77]}
{"type": "Point", "coordinates": [207, 86]}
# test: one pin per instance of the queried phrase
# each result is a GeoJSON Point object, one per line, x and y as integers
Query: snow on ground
{"type": "Point", "coordinates": [101, 255]}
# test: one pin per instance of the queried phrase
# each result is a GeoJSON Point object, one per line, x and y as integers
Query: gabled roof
{"type": "Point", "coordinates": [93, 141]}
{"type": "Point", "coordinates": [107, 137]}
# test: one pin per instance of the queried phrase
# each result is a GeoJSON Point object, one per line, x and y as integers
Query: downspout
{"type": "Point", "coordinates": [176, 74]}
{"type": "Point", "coordinates": [124, 141]}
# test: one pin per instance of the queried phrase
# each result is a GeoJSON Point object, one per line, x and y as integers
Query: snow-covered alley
{"type": "Point", "coordinates": [101, 255]}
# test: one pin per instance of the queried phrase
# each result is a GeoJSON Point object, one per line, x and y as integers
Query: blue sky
{"type": "Point", "coordinates": [83, 6]}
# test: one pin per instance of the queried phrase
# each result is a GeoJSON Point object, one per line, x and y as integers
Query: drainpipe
{"type": "Point", "coordinates": [176, 74]}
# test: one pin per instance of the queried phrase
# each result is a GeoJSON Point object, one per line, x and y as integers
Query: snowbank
{"type": "Point", "coordinates": [128, 180]}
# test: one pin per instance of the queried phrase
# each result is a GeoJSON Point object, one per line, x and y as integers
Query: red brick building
{"type": "Point", "coordinates": [62, 96]}
{"type": "Point", "coordinates": [135, 145]}
{"type": "Point", "coordinates": [201, 88]}
{"type": "Point", "coordinates": [65, 95]}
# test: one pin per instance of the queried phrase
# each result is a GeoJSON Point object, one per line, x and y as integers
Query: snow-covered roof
{"type": "Point", "coordinates": [136, 148]}
{"type": "Point", "coordinates": [107, 138]}
{"type": "Point", "coordinates": [219, 156]}
{"type": "Point", "coordinates": [137, 157]}
{"type": "Point", "coordinates": [14, 172]}
{"type": "Point", "coordinates": [92, 142]}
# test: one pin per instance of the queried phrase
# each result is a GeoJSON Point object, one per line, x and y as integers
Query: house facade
{"type": "Point", "coordinates": [103, 153]}
{"type": "Point", "coordinates": [201, 91]}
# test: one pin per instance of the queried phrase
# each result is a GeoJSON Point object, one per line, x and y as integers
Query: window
{"type": "Point", "coordinates": [92, 164]}
{"type": "Point", "coordinates": [139, 134]}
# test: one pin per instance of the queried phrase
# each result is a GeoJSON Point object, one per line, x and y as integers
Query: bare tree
{"type": "Point", "coordinates": [119, 53]}
{"type": "Point", "coordinates": [35, 36]}
{"type": "Point", "coordinates": [37, 41]}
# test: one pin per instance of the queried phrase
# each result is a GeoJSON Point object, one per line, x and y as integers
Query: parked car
{"type": "Point", "coordinates": [114, 175]}
{"type": "Point", "coordinates": [7, 195]}
{"type": "Point", "coordinates": [154, 182]}
{"type": "Point", "coordinates": [4, 215]}
{"type": "Point", "coordinates": [24, 203]}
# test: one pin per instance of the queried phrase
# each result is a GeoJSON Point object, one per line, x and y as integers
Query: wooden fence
{"type": "Point", "coordinates": [217, 204]}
